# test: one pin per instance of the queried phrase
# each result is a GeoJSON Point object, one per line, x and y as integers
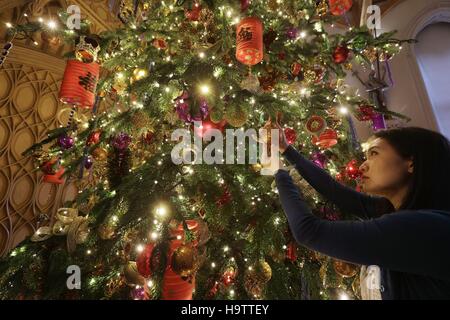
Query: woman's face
{"type": "Point", "coordinates": [384, 172]}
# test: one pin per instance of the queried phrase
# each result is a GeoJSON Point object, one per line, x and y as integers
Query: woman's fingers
{"type": "Point", "coordinates": [278, 119]}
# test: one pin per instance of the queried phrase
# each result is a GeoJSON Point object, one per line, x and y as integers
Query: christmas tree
{"type": "Point", "coordinates": [144, 227]}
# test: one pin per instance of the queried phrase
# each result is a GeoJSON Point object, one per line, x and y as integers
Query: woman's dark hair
{"type": "Point", "coordinates": [430, 152]}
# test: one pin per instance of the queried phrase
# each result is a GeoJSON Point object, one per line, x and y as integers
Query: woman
{"type": "Point", "coordinates": [407, 201]}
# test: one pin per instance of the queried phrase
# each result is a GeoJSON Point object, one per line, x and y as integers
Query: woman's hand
{"type": "Point", "coordinates": [283, 143]}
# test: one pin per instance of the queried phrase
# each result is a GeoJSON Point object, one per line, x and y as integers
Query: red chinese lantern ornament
{"type": "Point", "coordinates": [53, 172]}
{"type": "Point", "coordinates": [249, 41]}
{"type": "Point", "coordinates": [339, 7]}
{"type": "Point", "coordinates": [174, 287]}
{"type": "Point", "coordinates": [79, 83]}
{"type": "Point", "coordinates": [326, 139]}
{"type": "Point", "coordinates": [340, 54]}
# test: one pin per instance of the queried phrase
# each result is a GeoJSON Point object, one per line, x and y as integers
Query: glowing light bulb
{"type": "Point", "coordinates": [51, 24]}
{"type": "Point", "coordinates": [204, 89]}
{"type": "Point", "coordinates": [161, 211]}
{"type": "Point", "coordinates": [343, 110]}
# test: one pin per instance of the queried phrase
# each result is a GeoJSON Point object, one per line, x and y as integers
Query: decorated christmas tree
{"type": "Point", "coordinates": [145, 227]}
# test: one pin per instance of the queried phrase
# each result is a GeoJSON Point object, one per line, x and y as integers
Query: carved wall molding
{"type": "Point", "coordinates": [29, 106]}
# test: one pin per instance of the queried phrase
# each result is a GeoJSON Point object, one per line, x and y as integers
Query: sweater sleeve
{"type": "Point", "coordinates": [409, 241]}
{"type": "Point", "coordinates": [347, 199]}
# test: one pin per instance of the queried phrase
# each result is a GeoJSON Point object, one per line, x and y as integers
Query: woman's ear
{"type": "Point", "coordinates": [410, 166]}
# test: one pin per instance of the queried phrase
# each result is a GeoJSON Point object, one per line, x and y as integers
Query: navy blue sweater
{"type": "Point", "coordinates": [412, 248]}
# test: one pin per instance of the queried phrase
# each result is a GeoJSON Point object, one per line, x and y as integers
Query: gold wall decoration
{"type": "Point", "coordinates": [29, 107]}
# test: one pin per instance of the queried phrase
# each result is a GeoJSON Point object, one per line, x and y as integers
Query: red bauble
{"type": "Point", "coordinates": [249, 41]}
{"type": "Point", "coordinates": [340, 177]}
{"type": "Point", "coordinates": [291, 253]}
{"type": "Point", "coordinates": [94, 138]}
{"type": "Point", "coordinates": [224, 199]}
{"type": "Point", "coordinates": [207, 125]}
{"type": "Point", "coordinates": [79, 83]}
{"type": "Point", "coordinates": [282, 55]}
{"type": "Point", "coordinates": [229, 276]}
{"type": "Point", "coordinates": [326, 140]}
{"type": "Point", "coordinates": [244, 5]}
{"type": "Point", "coordinates": [148, 137]}
{"type": "Point", "coordinates": [291, 135]}
{"type": "Point", "coordinates": [144, 260]}
{"type": "Point", "coordinates": [365, 113]}
{"type": "Point", "coordinates": [339, 7]}
{"type": "Point", "coordinates": [159, 43]}
{"type": "Point", "coordinates": [194, 13]}
{"type": "Point", "coordinates": [352, 170]}
{"type": "Point", "coordinates": [296, 68]}
{"type": "Point", "coordinates": [340, 55]}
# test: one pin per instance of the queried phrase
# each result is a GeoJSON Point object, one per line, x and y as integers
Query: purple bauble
{"type": "Point", "coordinates": [65, 142]}
{"type": "Point", "coordinates": [182, 107]}
{"type": "Point", "coordinates": [319, 159]}
{"type": "Point", "coordinates": [292, 33]}
{"type": "Point", "coordinates": [378, 122]}
{"type": "Point", "coordinates": [138, 293]}
{"type": "Point", "coordinates": [88, 163]}
{"type": "Point", "coordinates": [244, 5]}
{"type": "Point", "coordinates": [204, 110]}
{"type": "Point", "coordinates": [121, 141]}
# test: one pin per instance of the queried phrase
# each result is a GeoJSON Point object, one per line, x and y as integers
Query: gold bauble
{"type": "Point", "coordinates": [348, 66]}
{"type": "Point", "coordinates": [265, 271]}
{"type": "Point", "coordinates": [310, 76]}
{"type": "Point", "coordinates": [257, 167]}
{"type": "Point", "coordinates": [140, 120]}
{"type": "Point", "coordinates": [120, 86]}
{"type": "Point", "coordinates": [236, 116]}
{"type": "Point", "coordinates": [185, 261]}
{"type": "Point", "coordinates": [277, 255]}
{"type": "Point", "coordinates": [216, 114]}
{"type": "Point", "coordinates": [322, 8]}
{"type": "Point", "coordinates": [51, 39]}
{"type": "Point", "coordinates": [99, 154]}
{"type": "Point", "coordinates": [106, 231]}
{"type": "Point", "coordinates": [256, 278]}
{"type": "Point", "coordinates": [370, 54]}
{"type": "Point", "coordinates": [317, 256]}
{"type": "Point", "coordinates": [253, 286]}
{"type": "Point", "coordinates": [113, 285]}
{"type": "Point", "coordinates": [139, 74]}
{"type": "Point", "coordinates": [261, 271]}
{"type": "Point", "coordinates": [273, 5]}
{"type": "Point", "coordinates": [250, 83]}
{"type": "Point", "coordinates": [132, 275]}
{"type": "Point", "coordinates": [356, 287]}
{"type": "Point", "coordinates": [345, 269]}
